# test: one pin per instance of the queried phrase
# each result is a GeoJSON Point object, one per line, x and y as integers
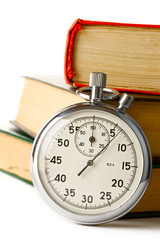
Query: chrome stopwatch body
{"type": "Point", "coordinates": [91, 162]}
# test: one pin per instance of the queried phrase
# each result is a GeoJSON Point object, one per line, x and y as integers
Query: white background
{"type": "Point", "coordinates": [32, 41]}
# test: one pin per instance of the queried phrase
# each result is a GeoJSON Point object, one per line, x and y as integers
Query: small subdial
{"type": "Point", "coordinates": [91, 138]}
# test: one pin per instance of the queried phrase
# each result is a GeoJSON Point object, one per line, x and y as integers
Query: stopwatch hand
{"type": "Point", "coordinates": [90, 162]}
{"type": "Point", "coordinates": [92, 139]}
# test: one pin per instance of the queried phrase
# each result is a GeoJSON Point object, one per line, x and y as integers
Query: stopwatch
{"type": "Point", "coordinates": [91, 161]}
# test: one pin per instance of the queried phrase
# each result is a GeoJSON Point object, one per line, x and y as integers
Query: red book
{"type": "Point", "coordinates": [128, 53]}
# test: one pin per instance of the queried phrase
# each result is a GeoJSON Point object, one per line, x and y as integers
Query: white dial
{"type": "Point", "coordinates": [91, 136]}
{"type": "Point", "coordinates": [90, 162]}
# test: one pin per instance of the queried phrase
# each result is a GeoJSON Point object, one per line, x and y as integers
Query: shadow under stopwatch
{"type": "Point", "coordinates": [141, 223]}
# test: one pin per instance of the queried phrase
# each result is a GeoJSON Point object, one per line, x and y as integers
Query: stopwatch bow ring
{"type": "Point", "coordinates": [97, 92]}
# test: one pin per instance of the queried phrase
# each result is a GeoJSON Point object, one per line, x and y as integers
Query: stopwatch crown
{"type": "Point", "coordinates": [97, 91]}
{"type": "Point", "coordinates": [98, 79]}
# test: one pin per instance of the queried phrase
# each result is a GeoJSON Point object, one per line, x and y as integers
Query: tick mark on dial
{"type": "Point", "coordinates": [47, 171]}
{"type": "Point", "coordinates": [134, 166]}
{"type": "Point", "coordinates": [115, 125]}
{"type": "Point", "coordinates": [130, 143]}
{"type": "Point", "coordinates": [64, 199]}
{"type": "Point", "coordinates": [127, 188]}
{"type": "Point", "coordinates": [50, 181]}
{"type": "Point", "coordinates": [71, 123]}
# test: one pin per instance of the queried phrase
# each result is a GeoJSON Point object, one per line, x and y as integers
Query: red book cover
{"type": "Point", "coordinates": [77, 26]}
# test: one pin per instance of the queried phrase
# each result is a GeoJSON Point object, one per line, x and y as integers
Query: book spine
{"type": "Point", "coordinates": [70, 72]}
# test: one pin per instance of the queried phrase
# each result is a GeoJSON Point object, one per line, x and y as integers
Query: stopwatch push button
{"type": "Point", "coordinates": [125, 102]}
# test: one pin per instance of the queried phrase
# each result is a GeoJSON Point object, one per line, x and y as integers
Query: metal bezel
{"type": "Point", "coordinates": [122, 210]}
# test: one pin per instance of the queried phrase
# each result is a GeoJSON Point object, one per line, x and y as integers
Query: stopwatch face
{"type": "Point", "coordinates": [89, 164]}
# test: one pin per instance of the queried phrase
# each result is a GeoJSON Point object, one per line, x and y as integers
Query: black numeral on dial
{"type": "Point", "coordinates": [117, 183]}
{"type": "Point", "coordinates": [72, 129]}
{"type": "Point", "coordinates": [91, 150]}
{"type": "Point", "coordinates": [63, 142]}
{"type": "Point", "coordinates": [101, 145]}
{"type": "Point", "coordinates": [126, 165]}
{"type": "Point", "coordinates": [105, 195]}
{"type": "Point", "coordinates": [69, 192]}
{"type": "Point", "coordinates": [60, 178]}
{"type": "Point", "coordinates": [56, 159]}
{"type": "Point", "coordinates": [122, 147]}
{"type": "Point", "coordinates": [93, 127]}
{"type": "Point", "coordinates": [87, 199]}
{"type": "Point", "coordinates": [112, 132]}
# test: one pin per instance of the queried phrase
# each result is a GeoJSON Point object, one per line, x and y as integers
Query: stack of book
{"type": "Point", "coordinates": [130, 55]}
